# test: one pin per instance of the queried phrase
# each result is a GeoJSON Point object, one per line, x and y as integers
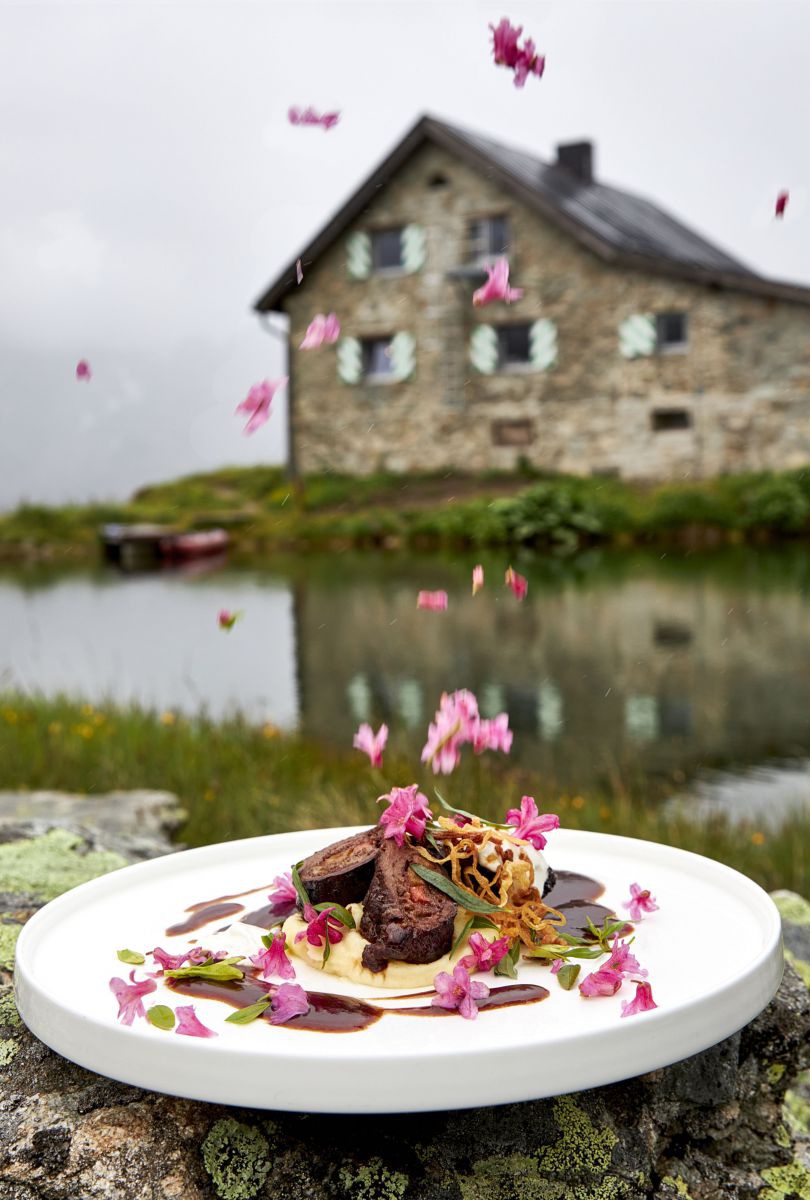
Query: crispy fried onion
{"type": "Point", "coordinates": [508, 883]}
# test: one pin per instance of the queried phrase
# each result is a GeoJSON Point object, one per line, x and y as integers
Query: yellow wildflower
{"type": "Point", "coordinates": [168, 718]}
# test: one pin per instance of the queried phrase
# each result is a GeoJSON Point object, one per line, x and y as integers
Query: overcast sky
{"type": "Point", "coordinates": [151, 186]}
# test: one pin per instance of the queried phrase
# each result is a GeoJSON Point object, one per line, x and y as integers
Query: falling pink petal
{"type": "Point", "coordinates": [477, 579]}
{"type": "Point", "coordinates": [641, 1002]}
{"type": "Point", "coordinates": [518, 584]}
{"type": "Point", "coordinates": [256, 405]}
{"type": "Point", "coordinates": [299, 272]}
{"type": "Point", "coordinates": [457, 722]}
{"type": "Point", "coordinates": [523, 60]}
{"type": "Point", "coordinates": [309, 116]}
{"type": "Point", "coordinates": [289, 1001]}
{"type": "Point", "coordinates": [83, 369]}
{"type": "Point", "coordinates": [190, 1024]}
{"type": "Point", "coordinates": [227, 619]}
{"type": "Point", "coordinates": [130, 997]}
{"type": "Point", "coordinates": [331, 329]}
{"type": "Point", "coordinates": [313, 338]}
{"type": "Point", "coordinates": [497, 285]}
{"type": "Point", "coordinates": [371, 743]}
{"type": "Point", "coordinates": [640, 902]}
{"type": "Point", "coordinates": [432, 601]}
{"type": "Point", "coordinates": [781, 203]}
{"type": "Point", "coordinates": [407, 812]}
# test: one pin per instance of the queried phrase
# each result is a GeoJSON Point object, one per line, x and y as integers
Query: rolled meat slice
{"type": "Point", "coordinates": [404, 918]}
{"type": "Point", "coordinates": [343, 871]}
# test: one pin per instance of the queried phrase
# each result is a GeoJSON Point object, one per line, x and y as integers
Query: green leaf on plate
{"type": "Point", "coordinates": [338, 912]}
{"type": "Point", "coordinates": [244, 1016]}
{"type": "Point", "coordinates": [567, 975]}
{"type": "Point", "coordinates": [161, 1016]}
{"type": "Point", "coordinates": [459, 940]}
{"type": "Point", "coordinates": [211, 970]}
{"type": "Point", "coordinates": [131, 956]}
{"type": "Point", "coordinates": [298, 885]}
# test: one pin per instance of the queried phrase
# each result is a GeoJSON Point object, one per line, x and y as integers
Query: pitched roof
{"type": "Point", "coordinates": [617, 226]}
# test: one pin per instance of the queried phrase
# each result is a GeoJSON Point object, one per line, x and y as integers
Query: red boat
{"type": "Point", "coordinates": [194, 545]}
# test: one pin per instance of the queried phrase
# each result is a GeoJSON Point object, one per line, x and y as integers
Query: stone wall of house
{"type": "Point", "coordinates": [744, 379]}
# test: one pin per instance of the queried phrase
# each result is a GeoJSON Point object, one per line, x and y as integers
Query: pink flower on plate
{"type": "Point", "coordinates": [190, 1024]}
{"type": "Point", "coordinates": [200, 955]}
{"type": "Point", "coordinates": [371, 743]}
{"type": "Point", "coordinates": [321, 329]}
{"type": "Point", "coordinates": [622, 960]}
{"type": "Point", "coordinates": [432, 601]}
{"type": "Point", "coordinates": [505, 38]}
{"type": "Point", "coordinates": [83, 369]}
{"type": "Point", "coordinates": [407, 812]}
{"type": "Point", "coordinates": [227, 619]}
{"type": "Point", "coordinates": [299, 272]}
{"type": "Point", "coordinates": [477, 579]}
{"type": "Point", "coordinates": [485, 954]}
{"type": "Point", "coordinates": [256, 405]}
{"type": "Point", "coordinates": [459, 991]}
{"type": "Point", "coordinates": [497, 286]}
{"type": "Point", "coordinates": [283, 893]}
{"type": "Point", "coordinates": [529, 824]}
{"type": "Point", "coordinates": [556, 966]}
{"type": "Point", "coordinates": [289, 1001]}
{"type": "Point", "coordinates": [518, 584]}
{"type": "Point", "coordinates": [273, 959]}
{"type": "Point", "coordinates": [166, 961]}
{"type": "Point", "coordinates": [779, 210]}
{"type": "Point", "coordinates": [493, 734]}
{"type": "Point", "coordinates": [641, 1002]}
{"type": "Point", "coordinates": [600, 983]}
{"type": "Point", "coordinates": [320, 925]}
{"type": "Point", "coordinates": [130, 997]}
{"type": "Point", "coordinates": [640, 902]}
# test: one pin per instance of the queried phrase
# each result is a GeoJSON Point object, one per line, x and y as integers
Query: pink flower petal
{"type": "Point", "coordinates": [779, 210]}
{"type": "Point", "coordinates": [331, 329]}
{"type": "Point", "coordinates": [600, 983]}
{"type": "Point", "coordinates": [485, 954]}
{"type": "Point", "coordinates": [497, 286]}
{"type": "Point", "coordinates": [556, 966]}
{"type": "Point", "coordinates": [641, 1002]}
{"type": "Point", "coordinates": [289, 1001]}
{"type": "Point", "coordinates": [130, 997]}
{"type": "Point", "coordinates": [459, 991]}
{"type": "Point", "coordinates": [166, 961]}
{"type": "Point", "coordinates": [531, 825]}
{"type": "Point", "coordinates": [518, 584]}
{"type": "Point", "coordinates": [407, 812]}
{"type": "Point", "coordinates": [256, 405]}
{"type": "Point", "coordinates": [477, 579]}
{"type": "Point", "coordinates": [640, 902]}
{"type": "Point", "coordinates": [83, 369]}
{"type": "Point", "coordinates": [432, 601]}
{"type": "Point", "coordinates": [273, 959]}
{"type": "Point", "coordinates": [283, 893]}
{"type": "Point", "coordinates": [299, 272]}
{"type": "Point", "coordinates": [371, 743]}
{"type": "Point", "coordinates": [188, 1023]}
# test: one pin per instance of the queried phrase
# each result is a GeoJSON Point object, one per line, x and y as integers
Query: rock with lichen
{"type": "Point", "coordinates": [733, 1122]}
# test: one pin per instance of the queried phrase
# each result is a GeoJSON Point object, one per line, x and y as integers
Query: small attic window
{"type": "Point", "coordinates": [438, 181]}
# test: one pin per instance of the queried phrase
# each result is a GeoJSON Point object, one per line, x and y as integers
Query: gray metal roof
{"type": "Point", "coordinates": [617, 226]}
{"type": "Point", "coordinates": [625, 221]}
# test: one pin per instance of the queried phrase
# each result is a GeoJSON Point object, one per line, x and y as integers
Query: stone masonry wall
{"type": "Point", "coordinates": [745, 377]}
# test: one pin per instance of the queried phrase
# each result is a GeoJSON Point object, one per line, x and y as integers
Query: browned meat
{"type": "Point", "coordinates": [342, 872]}
{"type": "Point", "coordinates": [404, 918]}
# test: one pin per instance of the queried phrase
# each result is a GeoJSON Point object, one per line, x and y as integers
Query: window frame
{"type": "Point", "coordinates": [475, 257]}
{"type": "Point", "coordinates": [374, 235]}
{"type": "Point", "coordinates": [671, 347]}
{"type": "Point", "coordinates": [366, 344]}
{"type": "Point", "coordinates": [514, 366]}
{"type": "Point", "coordinates": [660, 416]}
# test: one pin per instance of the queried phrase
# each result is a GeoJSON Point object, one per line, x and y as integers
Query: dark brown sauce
{"type": "Point", "coordinates": [499, 997]}
{"type": "Point", "coordinates": [203, 916]}
{"type": "Point", "coordinates": [577, 913]}
{"type": "Point", "coordinates": [269, 915]}
{"type": "Point", "coordinates": [220, 899]}
{"type": "Point", "coordinates": [571, 886]}
{"type": "Point", "coordinates": [327, 1013]}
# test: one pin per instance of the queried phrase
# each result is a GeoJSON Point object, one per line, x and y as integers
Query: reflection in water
{"type": "Point", "coordinates": [637, 665]}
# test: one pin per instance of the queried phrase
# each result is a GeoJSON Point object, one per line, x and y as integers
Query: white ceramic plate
{"type": "Point", "coordinates": [713, 952]}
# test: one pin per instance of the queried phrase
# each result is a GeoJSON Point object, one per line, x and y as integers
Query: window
{"type": "Point", "coordinates": [386, 249]}
{"type": "Point", "coordinates": [670, 331]}
{"type": "Point", "coordinates": [487, 238]}
{"type": "Point", "coordinates": [665, 419]}
{"type": "Point", "coordinates": [513, 346]}
{"type": "Point", "coordinates": [377, 358]}
{"type": "Point", "coordinates": [438, 181]}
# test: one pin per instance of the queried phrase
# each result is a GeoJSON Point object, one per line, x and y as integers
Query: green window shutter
{"type": "Point", "coordinates": [350, 360]}
{"type": "Point", "coordinates": [358, 255]}
{"type": "Point", "coordinates": [403, 355]}
{"type": "Point", "coordinates": [543, 344]}
{"type": "Point", "coordinates": [484, 349]}
{"type": "Point", "coordinates": [414, 248]}
{"type": "Point", "coordinates": [637, 336]}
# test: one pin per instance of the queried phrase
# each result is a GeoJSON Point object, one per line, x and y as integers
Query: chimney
{"type": "Point", "coordinates": [577, 157]}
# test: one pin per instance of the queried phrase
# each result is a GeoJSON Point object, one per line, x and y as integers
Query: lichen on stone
{"type": "Point", "coordinates": [9, 1017]}
{"type": "Point", "coordinates": [51, 864]}
{"type": "Point", "coordinates": [237, 1157]}
{"type": "Point", "coordinates": [790, 1181]}
{"type": "Point", "coordinates": [774, 1072]}
{"type": "Point", "coordinates": [796, 1111]}
{"type": "Point", "coordinates": [801, 967]}
{"type": "Point", "coordinates": [8, 1050]}
{"type": "Point", "coordinates": [372, 1181]}
{"type": "Point", "coordinates": [582, 1149]}
{"type": "Point", "coordinates": [9, 932]}
{"type": "Point", "coordinates": [782, 1137]}
{"type": "Point", "coordinates": [675, 1181]}
{"type": "Point", "coordinates": [792, 907]}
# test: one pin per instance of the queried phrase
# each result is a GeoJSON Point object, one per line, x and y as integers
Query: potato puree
{"type": "Point", "coordinates": [345, 957]}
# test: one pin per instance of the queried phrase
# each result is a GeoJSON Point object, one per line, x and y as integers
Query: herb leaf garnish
{"type": "Point", "coordinates": [297, 884]}
{"type": "Point", "coordinates": [244, 1016]}
{"type": "Point", "coordinates": [508, 964]}
{"type": "Point", "coordinates": [467, 928]}
{"type": "Point", "coordinates": [131, 956]}
{"type": "Point", "coordinates": [161, 1016]}
{"type": "Point", "coordinates": [338, 912]}
{"type": "Point", "coordinates": [567, 975]}
{"type": "Point", "coordinates": [462, 897]}
{"type": "Point", "coordinates": [222, 971]}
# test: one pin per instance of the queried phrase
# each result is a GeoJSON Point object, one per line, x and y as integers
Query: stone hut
{"type": "Point", "coordinates": [638, 349]}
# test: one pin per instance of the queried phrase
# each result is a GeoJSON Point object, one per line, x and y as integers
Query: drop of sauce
{"type": "Point", "coordinates": [203, 915]}
{"type": "Point", "coordinates": [571, 886]}
{"type": "Point", "coordinates": [269, 915]}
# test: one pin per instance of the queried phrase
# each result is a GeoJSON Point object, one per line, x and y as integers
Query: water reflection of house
{"type": "Point", "coordinates": [639, 348]}
{"type": "Point", "coordinates": [595, 685]}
